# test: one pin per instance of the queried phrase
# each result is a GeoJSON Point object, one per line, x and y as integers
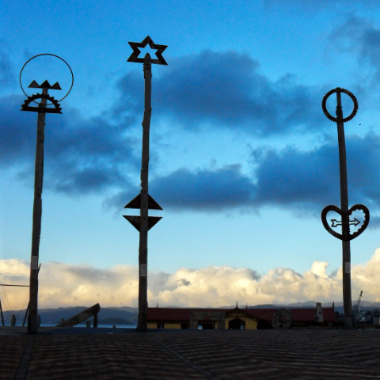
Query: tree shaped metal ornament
{"type": "Point", "coordinates": [136, 51]}
{"type": "Point", "coordinates": [344, 212]}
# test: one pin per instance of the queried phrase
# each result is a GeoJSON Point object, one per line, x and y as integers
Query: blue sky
{"type": "Point", "coordinates": [242, 158]}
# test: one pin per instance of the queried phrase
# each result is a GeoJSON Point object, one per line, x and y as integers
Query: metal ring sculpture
{"type": "Point", "coordinates": [350, 94]}
{"type": "Point", "coordinates": [53, 55]}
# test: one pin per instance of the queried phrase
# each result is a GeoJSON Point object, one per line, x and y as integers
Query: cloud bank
{"type": "Point", "coordinates": [225, 90]}
{"type": "Point", "coordinates": [99, 155]}
{"type": "Point", "coordinates": [359, 36]}
{"type": "Point", "coordinates": [94, 156]}
{"type": "Point", "coordinates": [81, 285]}
{"type": "Point", "coordinates": [7, 76]}
{"type": "Point", "coordinates": [82, 155]}
{"type": "Point", "coordinates": [290, 178]}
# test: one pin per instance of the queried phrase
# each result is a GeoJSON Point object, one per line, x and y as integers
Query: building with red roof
{"type": "Point", "coordinates": [247, 318]}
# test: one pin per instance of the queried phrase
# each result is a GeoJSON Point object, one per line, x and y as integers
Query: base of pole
{"type": "Point", "coordinates": [141, 323]}
{"type": "Point", "coordinates": [33, 324]}
{"type": "Point", "coordinates": [348, 322]}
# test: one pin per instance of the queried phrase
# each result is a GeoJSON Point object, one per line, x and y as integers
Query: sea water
{"type": "Point", "coordinates": [133, 326]}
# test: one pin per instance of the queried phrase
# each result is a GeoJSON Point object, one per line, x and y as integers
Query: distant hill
{"type": "Point", "coordinates": [306, 304]}
{"type": "Point", "coordinates": [125, 314]}
{"type": "Point", "coordinates": [128, 315]}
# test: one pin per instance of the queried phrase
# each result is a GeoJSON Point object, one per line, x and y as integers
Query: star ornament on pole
{"type": "Point", "coordinates": [136, 51]}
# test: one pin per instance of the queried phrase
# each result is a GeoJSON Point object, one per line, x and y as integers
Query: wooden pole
{"type": "Point", "coordinates": [27, 309]}
{"type": "Point", "coordinates": [143, 245]}
{"type": "Point", "coordinates": [346, 264]}
{"type": "Point", "coordinates": [1, 313]}
{"type": "Point", "coordinates": [26, 314]}
{"type": "Point", "coordinates": [37, 213]}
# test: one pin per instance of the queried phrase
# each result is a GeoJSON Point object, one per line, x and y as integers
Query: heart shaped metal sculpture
{"type": "Point", "coordinates": [345, 216]}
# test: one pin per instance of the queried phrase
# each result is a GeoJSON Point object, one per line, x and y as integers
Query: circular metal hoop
{"type": "Point", "coordinates": [53, 55]}
{"type": "Point", "coordinates": [350, 94]}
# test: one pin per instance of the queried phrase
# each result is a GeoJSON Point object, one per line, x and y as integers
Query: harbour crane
{"type": "Point", "coordinates": [359, 300]}
{"type": "Point", "coordinates": [356, 310]}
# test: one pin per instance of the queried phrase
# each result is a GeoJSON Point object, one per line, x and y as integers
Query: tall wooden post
{"type": "Point", "coordinates": [346, 249]}
{"type": "Point", "coordinates": [346, 236]}
{"type": "Point", "coordinates": [144, 201]}
{"type": "Point", "coordinates": [37, 214]}
{"type": "Point", "coordinates": [143, 246]}
{"type": "Point", "coordinates": [1, 313]}
{"type": "Point", "coordinates": [42, 109]}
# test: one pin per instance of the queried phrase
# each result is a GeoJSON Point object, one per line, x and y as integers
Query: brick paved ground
{"type": "Point", "coordinates": [263, 354]}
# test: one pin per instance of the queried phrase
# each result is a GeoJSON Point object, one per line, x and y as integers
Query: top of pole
{"type": "Point", "coordinates": [136, 51]}
{"type": "Point", "coordinates": [339, 115]}
{"type": "Point", "coordinates": [46, 84]}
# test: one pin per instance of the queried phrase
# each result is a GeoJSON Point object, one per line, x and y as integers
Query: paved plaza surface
{"type": "Point", "coordinates": [84, 353]}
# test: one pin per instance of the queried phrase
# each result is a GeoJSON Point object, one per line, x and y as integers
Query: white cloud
{"type": "Point", "coordinates": [82, 285]}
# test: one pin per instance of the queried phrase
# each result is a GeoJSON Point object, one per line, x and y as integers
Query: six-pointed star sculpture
{"type": "Point", "coordinates": [136, 51]}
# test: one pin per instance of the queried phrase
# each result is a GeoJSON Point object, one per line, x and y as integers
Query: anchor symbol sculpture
{"type": "Point", "coordinates": [336, 223]}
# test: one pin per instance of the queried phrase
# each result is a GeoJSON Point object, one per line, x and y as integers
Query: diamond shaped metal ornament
{"type": "Point", "coordinates": [136, 203]}
{"type": "Point", "coordinates": [135, 221]}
